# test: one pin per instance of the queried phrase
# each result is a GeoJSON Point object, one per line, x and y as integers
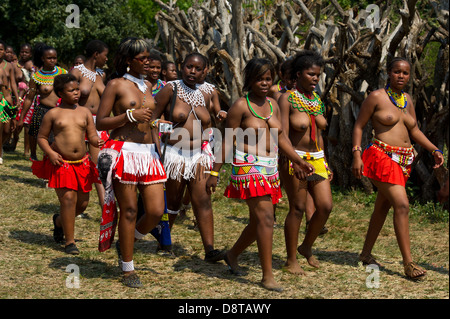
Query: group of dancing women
{"type": "Point", "coordinates": [120, 126]}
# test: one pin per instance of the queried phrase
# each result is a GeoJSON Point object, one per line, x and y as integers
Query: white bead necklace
{"type": "Point", "coordinates": [193, 97]}
{"type": "Point", "coordinates": [206, 87]}
{"type": "Point", "coordinates": [90, 75]}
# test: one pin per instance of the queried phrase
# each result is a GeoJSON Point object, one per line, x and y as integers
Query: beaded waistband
{"type": "Point", "coordinates": [392, 149]}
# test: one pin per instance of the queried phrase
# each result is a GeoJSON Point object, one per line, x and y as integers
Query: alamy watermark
{"type": "Point", "coordinates": [73, 279]}
{"type": "Point", "coordinates": [373, 280]}
{"type": "Point", "coordinates": [73, 20]}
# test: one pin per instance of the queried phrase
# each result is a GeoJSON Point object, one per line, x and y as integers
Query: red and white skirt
{"type": "Point", "coordinates": [139, 164]}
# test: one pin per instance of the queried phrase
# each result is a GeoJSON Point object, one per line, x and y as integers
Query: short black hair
{"type": "Point", "coordinates": [61, 80]}
{"type": "Point", "coordinates": [304, 60]}
{"type": "Point", "coordinates": [395, 60]}
{"type": "Point", "coordinates": [39, 50]}
{"type": "Point", "coordinates": [196, 54]}
{"type": "Point", "coordinates": [95, 46]}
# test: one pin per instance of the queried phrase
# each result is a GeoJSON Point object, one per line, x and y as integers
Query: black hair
{"type": "Point", "coordinates": [197, 54]}
{"type": "Point", "coordinates": [61, 80]}
{"type": "Point", "coordinates": [95, 46]}
{"type": "Point", "coordinates": [38, 53]}
{"type": "Point", "coordinates": [165, 65]}
{"type": "Point", "coordinates": [128, 49]}
{"type": "Point", "coordinates": [286, 66]}
{"type": "Point", "coordinates": [3, 43]}
{"type": "Point", "coordinates": [155, 55]}
{"type": "Point", "coordinates": [255, 68]}
{"type": "Point", "coordinates": [80, 56]}
{"type": "Point", "coordinates": [304, 60]}
{"type": "Point", "coordinates": [26, 45]}
{"type": "Point", "coordinates": [391, 64]}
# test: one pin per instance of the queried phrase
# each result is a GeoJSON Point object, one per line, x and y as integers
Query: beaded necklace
{"type": "Point", "coordinates": [302, 103]}
{"type": "Point", "coordinates": [193, 97]}
{"type": "Point", "coordinates": [312, 107]}
{"type": "Point", "coordinates": [281, 88]}
{"type": "Point", "coordinates": [42, 77]}
{"type": "Point", "coordinates": [85, 72]}
{"type": "Point", "coordinates": [206, 87]}
{"type": "Point", "coordinates": [159, 85]}
{"type": "Point", "coordinates": [258, 116]}
{"type": "Point", "coordinates": [399, 100]}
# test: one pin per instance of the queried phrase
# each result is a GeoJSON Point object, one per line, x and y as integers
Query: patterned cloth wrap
{"type": "Point", "coordinates": [254, 176]}
{"type": "Point", "coordinates": [386, 163]}
{"type": "Point", "coordinates": [7, 111]}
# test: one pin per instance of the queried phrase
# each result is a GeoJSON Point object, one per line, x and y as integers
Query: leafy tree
{"type": "Point", "coordinates": [45, 21]}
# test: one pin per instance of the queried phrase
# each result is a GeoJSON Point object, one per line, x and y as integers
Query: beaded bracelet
{"type": "Point", "coordinates": [213, 173]}
{"type": "Point", "coordinates": [437, 150]}
{"type": "Point", "coordinates": [356, 148]}
{"type": "Point", "coordinates": [155, 123]}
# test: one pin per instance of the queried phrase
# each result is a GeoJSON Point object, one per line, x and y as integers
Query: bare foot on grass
{"type": "Point", "coordinates": [307, 253]}
{"type": "Point", "coordinates": [271, 284]}
{"type": "Point", "coordinates": [294, 268]}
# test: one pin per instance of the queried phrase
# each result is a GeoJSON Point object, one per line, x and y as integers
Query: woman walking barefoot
{"type": "Point", "coordinates": [388, 158]}
{"type": "Point", "coordinates": [303, 120]}
{"type": "Point", "coordinates": [254, 172]}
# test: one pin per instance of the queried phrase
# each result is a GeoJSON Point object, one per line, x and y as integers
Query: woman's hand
{"type": "Point", "coordinates": [211, 184]}
{"type": "Point", "coordinates": [303, 170]}
{"type": "Point", "coordinates": [438, 159]}
{"type": "Point", "coordinates": [55, 158]}
{"type": "Point", "coordinates": [357, 166]}
{"type": "Point", "coordinates": [142, 115]}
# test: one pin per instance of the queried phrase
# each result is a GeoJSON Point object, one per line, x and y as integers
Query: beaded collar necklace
{"type": "Point", "coordinates": [399, 100]}
{"type": "Point", "coordinates": [85, 72]}
{"type": "Point", "coordinates": [42, 77]}
{"type": "Point", "coordinates": [193, 97]}
{"type": "Point", "coordinates": [312, 106]}
{"type": "Point", "coordinates": [142, 86]}
{"type": "Point", "coordinates": [206, 87]}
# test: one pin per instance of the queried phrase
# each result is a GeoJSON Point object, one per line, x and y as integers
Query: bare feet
{"type": "Point", "coordinates": [307, 253]}
{"type": "Point", "coordinates": [294, 268]}
{"type": "Point", "coordinates": [271, 284]}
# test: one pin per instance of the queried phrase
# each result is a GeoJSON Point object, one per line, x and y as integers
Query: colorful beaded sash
{"type": "Point", "coordinates": [249, 168]}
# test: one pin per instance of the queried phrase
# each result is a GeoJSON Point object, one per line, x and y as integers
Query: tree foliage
{"type": "Point", "coordinates": [45, 21]}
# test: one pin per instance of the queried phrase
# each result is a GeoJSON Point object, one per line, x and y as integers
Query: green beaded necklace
{"type": "Point", "coordinates": [258, 116]}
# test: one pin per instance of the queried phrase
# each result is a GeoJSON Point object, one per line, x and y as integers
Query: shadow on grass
{"type": "Point", "coordinates": [88, 268]}
{"type": "Point", "coordinates": [195, 264]}
{"type": "Point", "coordinates": [19, 179]}
{"type": "Point", "coordinates": [39, 239]}
{"type": "Point", "coordinates": [347, 258]}
{"type": "Point", "coordinates": [46, 208]}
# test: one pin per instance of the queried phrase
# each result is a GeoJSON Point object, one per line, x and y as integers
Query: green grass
{"type": "Point", "coordinates": [33, 266]}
